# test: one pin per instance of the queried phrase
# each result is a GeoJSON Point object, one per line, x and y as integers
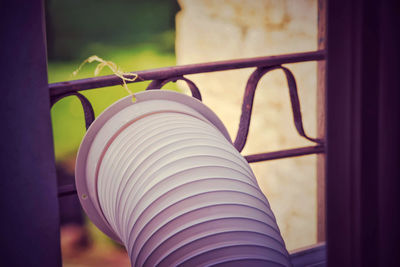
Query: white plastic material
{"type": "Point", "coordinates": [162, 177]}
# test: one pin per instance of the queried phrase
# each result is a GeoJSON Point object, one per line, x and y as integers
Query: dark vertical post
{"type": "Point", "coordinates": [321, 81]}
{"type": "Point", "coordinates": [389, 135]}
{"type": "Point", "coordinates": [29, 227]}
{"type": "Point", "coordinates": [362, 133]}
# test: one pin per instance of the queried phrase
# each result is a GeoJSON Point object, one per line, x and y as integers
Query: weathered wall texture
{"type": "Point", "coordinates": [210, 30]}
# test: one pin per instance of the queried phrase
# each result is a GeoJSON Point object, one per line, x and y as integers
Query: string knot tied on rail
{"type": "Point", "coordinates": [125, 76]}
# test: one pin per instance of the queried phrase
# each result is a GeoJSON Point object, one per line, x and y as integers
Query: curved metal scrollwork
{"type": "Point", "coordinates": [158, 84]}
{"type": "Point", "coordinates": [248, 100]}
{"type": "Point", "coordinates": [247, 106]}
{"type": "Point", "coordinates": [87, 107]}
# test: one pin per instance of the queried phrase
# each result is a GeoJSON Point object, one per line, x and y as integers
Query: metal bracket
{"type": "Point", "coordinates": [86, 105]}
{"type": "Point", "coordinates": [248, 100]}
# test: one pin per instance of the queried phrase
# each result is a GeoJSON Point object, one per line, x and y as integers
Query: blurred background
{"type": "Point", "coordinates": [139, 35]}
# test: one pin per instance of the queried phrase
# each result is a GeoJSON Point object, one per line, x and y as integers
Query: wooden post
{"type": "Point", "coordinates": [29, 226]}
{"type": "Point", "coordinates": [321, 81]}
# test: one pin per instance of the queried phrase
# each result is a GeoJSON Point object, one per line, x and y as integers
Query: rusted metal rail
{"type": "Point", "coordinates": [162, 76]}
{"type": "Point", "coordinates": [296, 152]}
{"type": "Point", "coordinates": [281, 154]}
{"type": "Point", "coordinates": [168, 72]}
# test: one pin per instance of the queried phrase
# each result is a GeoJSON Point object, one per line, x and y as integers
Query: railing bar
{"type": "Point", "coordinates": [163, 73]}
{"type": "Point", "coordinates": [66, 190]}
{"type": "Point", "coordinates": [70, 189]}
{"type": "Point", "coordinates": [285, 153]}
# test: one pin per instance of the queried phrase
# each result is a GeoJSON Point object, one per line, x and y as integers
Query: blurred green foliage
{"type": "Point", "coordinates": [136, 35]}
{"type": "Point", "coordinates": [77, 28]}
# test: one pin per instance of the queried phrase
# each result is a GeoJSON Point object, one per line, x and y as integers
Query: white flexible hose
{"type": "Point", "coordinates": [175, 191]}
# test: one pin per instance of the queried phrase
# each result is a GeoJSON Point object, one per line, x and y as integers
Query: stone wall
{"type": "Point", "coordinates": [210, 30]}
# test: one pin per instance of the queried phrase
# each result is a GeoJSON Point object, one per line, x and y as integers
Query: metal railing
{"type": "Point", "coordinates": [161, 76]}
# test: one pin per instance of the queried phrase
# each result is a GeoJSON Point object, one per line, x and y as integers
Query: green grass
{"type": "Point", "coordinates": [67, 115]}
